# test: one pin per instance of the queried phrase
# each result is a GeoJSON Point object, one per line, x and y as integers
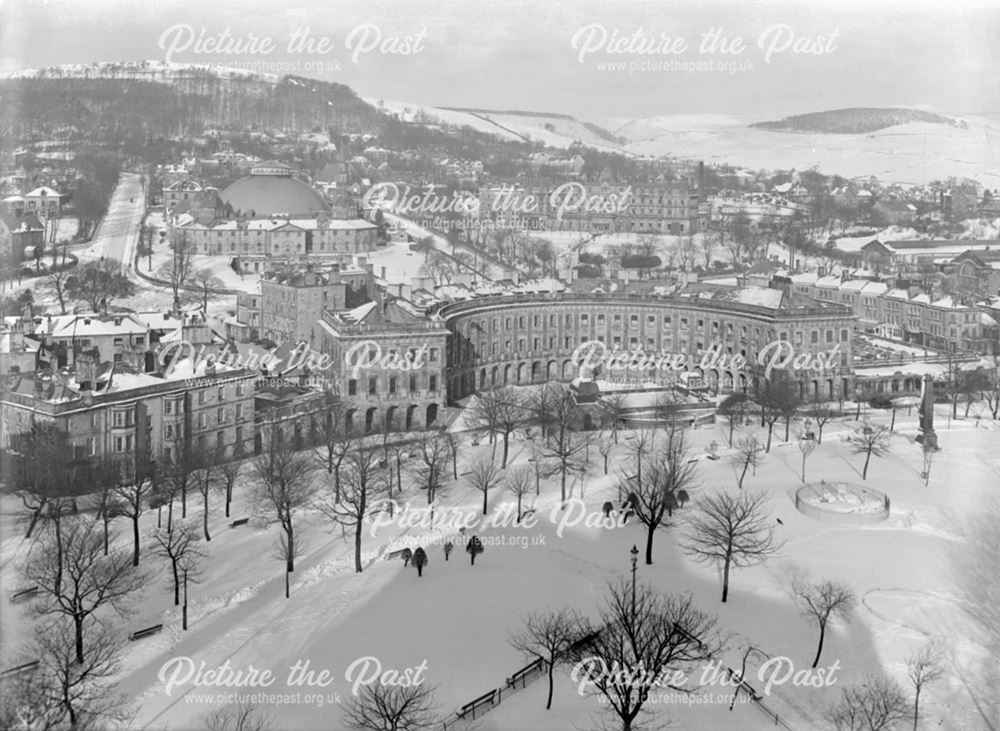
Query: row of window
{"type": "Point", "coordinates": [393, 385]}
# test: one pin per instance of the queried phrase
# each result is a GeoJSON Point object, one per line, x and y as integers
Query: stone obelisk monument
{"type": "Point", "coordinates": [927, 436]}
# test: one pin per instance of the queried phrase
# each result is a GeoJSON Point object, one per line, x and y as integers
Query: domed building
{"type": "Point", "coordinates": [271, 190]}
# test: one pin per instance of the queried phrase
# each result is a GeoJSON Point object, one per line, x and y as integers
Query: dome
{"type": "Point", "coordinates": [267, 195]}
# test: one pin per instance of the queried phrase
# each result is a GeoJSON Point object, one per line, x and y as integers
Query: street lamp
{"type": "Point", "coordinates": [806, 445]}
{"type": "Point", "coordinates": [635, 560]}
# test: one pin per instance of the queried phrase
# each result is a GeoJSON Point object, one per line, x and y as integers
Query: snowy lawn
{"type": "Point", "coordinates": [457, 617]}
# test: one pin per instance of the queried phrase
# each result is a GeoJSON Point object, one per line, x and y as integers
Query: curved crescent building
{"type": "Point", "coordinates": [710, 338]}
{"type": "Point", "coordinates": [523, 339]}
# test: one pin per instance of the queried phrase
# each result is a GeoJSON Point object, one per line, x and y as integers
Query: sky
{"type": "Point", "coordinates": [595, 59]}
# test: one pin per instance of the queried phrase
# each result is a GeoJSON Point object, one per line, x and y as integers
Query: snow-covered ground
{"type": "Point", "coordinates": [457, 618]}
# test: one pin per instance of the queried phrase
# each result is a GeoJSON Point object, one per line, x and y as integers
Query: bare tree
{"type": "Point", "coordinates": [229, 472]}
{"type": "Point", "coordinates": [922, 668]}
{"type": "Point", "coordinates": [548, 636]}
{"type": "Point", "coordinates": [284, 483]}
{"type": "Point", "coordinates": [89, 579]}
{"type": "Point", "coordinates": [135, 482]}
{"type": "Point", "coordinates": [55, 286]}
{"type": "Point", "coordinates": [71, 693]}
{"type": "Point", "coordinates": [732, 530]}
{"type": "Point", "coordinates": [177, 272]}
{"type": "Point", "coordinates": [877, 705]}
{"type": "Point", "coordinates": [644, 635]}
{"type": "Point", "coordinates": [174, 546]}
{"type": "Point", "coordinates": [499, 413]}
{"type": "Point", "coordinates": [205, 480]}
{"type": "Point", "coordinates": [871, 440]}
{"type": "Point", "coordinates": [732, 406]}
{"type": "Point", "coordinates": [614, 410]}
{"type": "Point", "coordinates": [668, 473]}
{"type": "Point", "coordinates": [604, 447]}
{"type": "Point", "coordinates": [38, 471]}
{"type": "Point", "coordinates": [242, 716]}
{"type": "Point", "coordinates": [518, 483]}
{"type": "Point", "coordinates": [484, 476]}
{"type": "Point", "coordinates": [824, 601]}
{"type": "Point", "coordinates": [822, 415]}
{"type": "Point", "coordinates": [286, 548]}
{"type": "Point", "coordinates": [333, 437]}
{"type": "Point", "coordinates": [379, 707]}
{"type": "Point", "coordinates": [749, 453]}
{"type": "Point", "coordinates": [776, 400]}
{"type": "Point", "coordinates": [639, 444]}
{"type": "Point", "coordinates": [205, 285]}
{"type": "Point", "coordinates": [430, 465]}
{"type": "Point", "coordinates": [363, 485]}
{"type": "Point", "coordinates": [452, 441]}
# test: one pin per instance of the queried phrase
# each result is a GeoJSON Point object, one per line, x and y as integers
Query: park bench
{"type": "Point", "coordinates": [145, 632]}
{"type": "Point", "coordinates": [522, 674]}
{"type": "Point", "coordinates": [22, 595]}
{"type": "Point", "coordinates": [473, 706]}
{"type": "Point", "coordinates": [19, 669]}
{"type": "Point", "coordinates": [394, 554]}
{"type": "Point", "coordinates": [238, 523]}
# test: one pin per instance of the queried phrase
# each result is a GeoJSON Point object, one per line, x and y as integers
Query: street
{"type": "Point", "coordinates": [118, 232]}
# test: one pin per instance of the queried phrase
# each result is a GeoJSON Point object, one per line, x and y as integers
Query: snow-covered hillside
{"type": "Point", "coordinates": [552, 130]}
{"type": "Point", "coordinates": [909, 153]}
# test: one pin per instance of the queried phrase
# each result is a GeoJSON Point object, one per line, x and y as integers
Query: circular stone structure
{"type": "Point", "coordinates": [842, 502]}
{"type": "Point", "coordinates": [271, 190]}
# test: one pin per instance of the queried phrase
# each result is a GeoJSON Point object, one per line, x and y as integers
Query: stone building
{"type": "Point", "coordinates": [388, 365]}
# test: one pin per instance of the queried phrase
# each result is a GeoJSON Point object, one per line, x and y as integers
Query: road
{"type": "Point", "coordinates": [118, 233]}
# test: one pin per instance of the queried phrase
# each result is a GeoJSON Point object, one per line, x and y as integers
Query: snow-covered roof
{"type": "Point", "coordinates": [42, 192]}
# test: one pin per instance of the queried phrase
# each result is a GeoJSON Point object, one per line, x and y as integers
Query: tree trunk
{"type": "Point", "coordinates": [650, 530]}
{"type": "Point", "coordinates": [770, 430]}
{"type": "Point", "coordinates": [204, 514]}
{"type": "Point", "coordinates": [177, 582]}
{"type": "Point", "coordinates": [743, 474]}
{"type": "Point", "coordinates": [184, 609]}
{"type": "Point", "coordinates": [78, 629]}
{"type": "Point", "coordinates": [732, 423]}
{"type": "Point", "coordinates": [864, 472]}
{"type": "Point", "coordinates": [135, 537]}
{"type": "Point", "coordinates": [290, 537]}
{"type": "Point", "coordinates": [819, 648]}
{"type": "Point", "coordinates": [288, 591]}
{"type": "Point", "coordinates": [484, 502]}
{"type": "Point", "coordinates": [788, 421]}
{"type": "Point", "coordinates": [184, 505]}
{"type": "Point", "coordinates": [819, 436]}
{"type": "Point", "coordinates": [548, 703]}
{"type": "Point", "coordinates": [892, 424]}
{"type": "Point", "coordinates": [357, 547]}
{"type": "Point", "coordinates": [506, 450]}
{"type": "Point", "coordinates": [229, 497]}
{"type": "Point", "coordinates": [916, 709]}
{"type": "Point", "coordinates": [725, 579]}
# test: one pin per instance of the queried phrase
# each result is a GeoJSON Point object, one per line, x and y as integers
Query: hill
{"type": "Point", "coordinates": [858, 120]}
{"type": "Point", "coordinates": [137, 106]}
{"type": "Point", "coordinates": [548, 128]}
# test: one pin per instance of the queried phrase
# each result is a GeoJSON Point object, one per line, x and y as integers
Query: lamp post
{"type": "Point", "coordinates": [806, 445]}
{"type": "Point", "coordinates": [635, 560]}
